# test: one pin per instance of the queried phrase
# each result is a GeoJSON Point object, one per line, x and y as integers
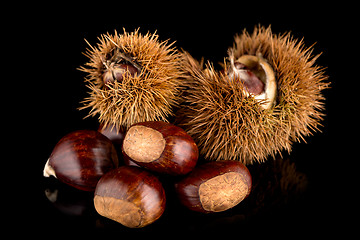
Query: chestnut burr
{"type": "Point", "coordinates": [81, 158]}
{"type": "Point", "coordinates": [160, 147]}
{"type": "Point", "coordinates": [215, 186]}
{"type": "Point", "coordinates": [131, 196]}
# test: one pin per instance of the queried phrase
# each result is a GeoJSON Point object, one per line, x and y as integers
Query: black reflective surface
{"type": "Point", "coordinates": [307, 193]}
{"type": "Point", "coordinates": [279, 191]}
{"type": "Point", "coordinates": [285, 199]}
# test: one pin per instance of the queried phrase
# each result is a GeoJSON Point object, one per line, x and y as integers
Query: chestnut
{"type": "Point", "coordinates": [161, 147]}
{"type": "Point", "coordinates": [112, 132]}
{"type": "Point", "coordinates": [131, 196]}
{"type": "Point", "coordinates": [117, 71]}
{"type": "Point", "coordinates": [214, 186]}
{"type": "Point", "coordinates": [81, 158]}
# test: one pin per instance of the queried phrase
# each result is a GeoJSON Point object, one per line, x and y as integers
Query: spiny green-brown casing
{"type": "Point", "coordinates": [228, 124]}
{"type": "Point", "coordinates": [147, 96]}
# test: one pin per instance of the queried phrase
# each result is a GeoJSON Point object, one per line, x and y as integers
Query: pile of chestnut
{"type": "Point", "coordinates": [132, 194]}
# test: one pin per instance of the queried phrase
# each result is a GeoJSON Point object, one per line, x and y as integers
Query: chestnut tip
{"type": "Point", "coordinates": [48, 170]}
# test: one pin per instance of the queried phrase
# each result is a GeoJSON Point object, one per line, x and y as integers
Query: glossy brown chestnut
{"type": "Point", "coordinates": [131, 196]}
{"type": "Point", "coordinates": [81, 158]}
{"type": "Point", "coordinates": [161, 147]}
{"type": "Point", "coordinates": [116, 135]}
{"type": "Point", "coordinates": [113, 133]}
{"type": "Point", "coordinates": [215, 186]}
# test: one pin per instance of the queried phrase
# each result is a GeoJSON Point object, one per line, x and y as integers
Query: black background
{"type": "Point", "coordinates": [48, 47]}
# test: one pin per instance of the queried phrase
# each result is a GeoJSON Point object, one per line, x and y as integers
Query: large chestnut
{"type": "Point", "coordinates": [131, 196]}
{"type": "Point", "coordinates": [161, 147]}
{"type": "Point", "coordinates": [81, 158]}
{"type": "Point", "coordinates": [215, 186]}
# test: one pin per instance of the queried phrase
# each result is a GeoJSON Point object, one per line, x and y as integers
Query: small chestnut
{"type": "Point", "coordinates": [257, 76]}
{"type": "Point", "coordinates": [80, 159]}
{"type": "Point", "coordinates": [116, 72]}
{"type": "Point", "coordinates": [215, 186]}
{"type": "Point", "coordinates": [161, 147]}
{"type": "Point", "coordinates": [131, 196]}
{"type": "Point", "coordinates": [115, 134]}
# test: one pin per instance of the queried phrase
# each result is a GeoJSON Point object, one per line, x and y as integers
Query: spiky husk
{"type": "Point", "coordinates": [147, 96]}
{"type": "Point", "coordinates": [229, 125]}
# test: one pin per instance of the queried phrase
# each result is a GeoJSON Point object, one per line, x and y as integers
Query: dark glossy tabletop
{"type": "Point", "coordinates": [301, 192]}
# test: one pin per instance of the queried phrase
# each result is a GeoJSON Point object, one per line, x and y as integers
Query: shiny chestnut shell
{"type": "Point", "coordinates": [215, 186]}
{"type": "Point", "coordinates": [81, 158]}
{"type": "Point", "coordinates": [113, 133]}
{"type": "Point", "coordinates": [131, 196]}
{"type": "Point", "coordinates": [160, 147]}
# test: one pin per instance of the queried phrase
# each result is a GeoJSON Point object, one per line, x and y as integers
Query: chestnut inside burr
{"type": "Point", "coordinates": [223, 192]}
{"type": "Point", "coordinates": [116, 72]}
{"type": "Point", "coordinates": [117, 65]}
{"type": "Point", "coordinates": [257, 76]}
{"type": "Point", "coordinates": [250, 79]}
{"type": "Point", "coordinates": [143, 144]}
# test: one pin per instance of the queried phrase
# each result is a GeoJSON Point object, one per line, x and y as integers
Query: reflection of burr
{"type": "Point", "coordinates": [276, 183]}
{"type": "Point", "coordinates": [291, 181]}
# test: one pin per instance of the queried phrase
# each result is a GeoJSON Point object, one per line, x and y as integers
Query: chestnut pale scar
{"type": "Point", "coordinates": [122, 211]}
{"type": "Point", "coordinates": [143, 144]}
{"type": "Point", "coordinates": [223, 192]}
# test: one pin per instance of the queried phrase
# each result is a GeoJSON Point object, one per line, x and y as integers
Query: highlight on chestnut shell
{"type": "Point", "coordinates": [81, 158]}
{"type": "Point", "coordinates": [215, 186]}
{"type": "Point", "coordinates": [131, 196]}
{"type": "Point", "coordinates": [161, 147]}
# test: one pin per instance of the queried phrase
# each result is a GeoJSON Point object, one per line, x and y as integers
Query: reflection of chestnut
{"type": "Point", "coordinates": [80, 158]}
{"type": "Point", "coordinates": [131, 196]}
{"type": "Point", "coordinates": [215, 186]}
{"type": "Point", "coordinates": [160, 147]}
{"type": "Point", "coordinates": [69, 200]}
